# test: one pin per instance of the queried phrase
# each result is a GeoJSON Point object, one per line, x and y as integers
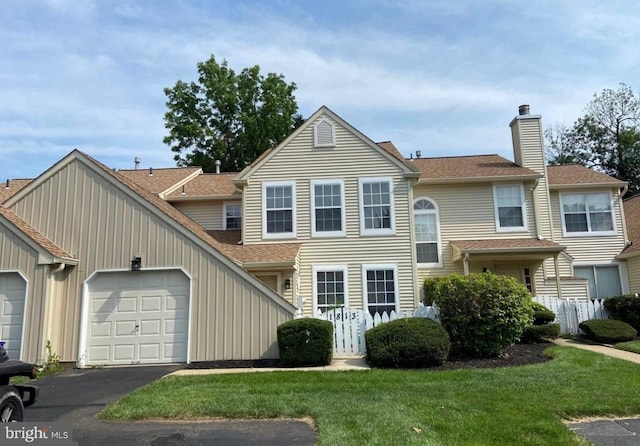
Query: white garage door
{"type": "Point", "coordinates": [137, 318]}
{"type": "Point", "coordinates": [12, 294]}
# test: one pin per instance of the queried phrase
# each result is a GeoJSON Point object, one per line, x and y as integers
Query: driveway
{"type": "Point", "coordinates": [76, 396]}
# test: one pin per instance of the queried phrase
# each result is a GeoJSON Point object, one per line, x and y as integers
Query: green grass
{"type": "Point", "coordinates": [516, 406]}
{"type": "Point", "coordinates": [631, 346]}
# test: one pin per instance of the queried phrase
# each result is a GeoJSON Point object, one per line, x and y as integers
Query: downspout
{"type": "Point", "coordinates": [622, 192]}
{"type": "Point", "coordinates": [536, 206]}
{"type": "Point", "coordinates": [556, 265]}
{"type": "Point", "coordinates": [414, 258]}
{"type": "Point", "coordinates": [465, 263]}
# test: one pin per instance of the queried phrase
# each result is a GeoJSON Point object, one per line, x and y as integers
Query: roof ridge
{"type": "Point", "coordinates": [455, 156]}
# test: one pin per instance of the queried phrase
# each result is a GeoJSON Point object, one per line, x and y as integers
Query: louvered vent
{"type": "Point", "coordinates": [324, 134]}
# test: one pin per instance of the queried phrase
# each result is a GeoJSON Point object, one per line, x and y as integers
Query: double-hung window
{"type": "Point", "coordinates": [509, 207]}
{"type": "Point", "coordinates": [587, 214]}
{"type": "Point", "coordinates": [330, 287]}
{"type": "Point", "coordinates": [427, 235]}
{"type": "Point", "coordinates": [327, 202]}
{"type": "Point", "coordinates": [232, 216]}
{"type": "Point", "coordinates": [278, 209]}
{"type": "Point", "coordinates": [376, 206]}
{"type": "Point", "coordinates": [604, 280]}
{"type": "Point", "coordinates": [380, 287]}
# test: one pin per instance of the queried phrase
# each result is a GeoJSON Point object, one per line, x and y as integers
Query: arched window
{"type": "Point", "coordinates": [427, 231]}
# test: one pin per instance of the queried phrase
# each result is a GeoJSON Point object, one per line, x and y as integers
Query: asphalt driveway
{"type": "Point", "coordinates": [76, 396]}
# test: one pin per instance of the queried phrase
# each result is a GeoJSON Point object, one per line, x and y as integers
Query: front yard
{"type": "Point", "coordinates": [519, 405]}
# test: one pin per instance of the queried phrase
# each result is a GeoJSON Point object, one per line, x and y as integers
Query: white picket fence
{"type": "Point", "coordinates": [570, 312]}
{"type": "Point", "coordinates": [350, 324]}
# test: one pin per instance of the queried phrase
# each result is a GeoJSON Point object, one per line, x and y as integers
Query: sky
{"type": "Point", "coordinates": [442, 77]}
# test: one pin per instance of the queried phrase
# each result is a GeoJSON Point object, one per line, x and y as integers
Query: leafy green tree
{"type": "Point", "coordinates": [227, 116]}
{"type": "Point", "coordinates": [606, 138]}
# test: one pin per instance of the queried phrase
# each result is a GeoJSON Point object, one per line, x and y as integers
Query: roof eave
{"type": "Point", "coordinates": [269, 264]}
{"type": "Point", "coordinates": [203, 197]}
{"type": "Point", "coordinates": [587, 185]}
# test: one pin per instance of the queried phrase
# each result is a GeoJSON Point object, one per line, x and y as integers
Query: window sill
{"type": "Point", "coordinates": [590, 234]}
{"type": "Point", "coordinates": [280, 235]}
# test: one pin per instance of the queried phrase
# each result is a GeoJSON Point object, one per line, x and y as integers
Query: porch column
{"type": "Point", "coordinates": [465, 263]}
{"type": "Point", "coordinates": [557, 268]}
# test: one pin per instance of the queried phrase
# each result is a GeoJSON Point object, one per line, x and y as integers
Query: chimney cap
{"type": "Point", "coordinates": [523, 109]}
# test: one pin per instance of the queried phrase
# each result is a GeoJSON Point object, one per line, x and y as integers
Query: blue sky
{"type": "Point", "coordinates": [443, 77]}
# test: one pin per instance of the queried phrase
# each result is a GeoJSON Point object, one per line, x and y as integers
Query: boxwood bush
{"type": "Point", "coordinates": [624, 308]}
{"type": "Point", "coordinates": [608, 331]}
{"type": "Point", "coordinates": [541, 314]}
{"type": "Point", "coordinates": [305, 342]}
{"type": "Point", "coordinates": [411, 342]}
{"type": "Point", "coordinates": [540, 333]}
{"type": "Point", "coordinates": [483, 313]}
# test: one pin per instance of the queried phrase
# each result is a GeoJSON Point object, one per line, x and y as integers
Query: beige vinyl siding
{"type": "Point", "coordinates": [633, 268]}
{"type": "Point", "coordinates": [16, 255]}
{"type": "Point", "coordinates": [466, 212]}
{"type": "Point", "coordinates": [104, 227]}
{"type": "Point", "coordinates": [207, 214]}
{"type": "Point", "coordinates": [593, 249]}
{"type": "Point", "coordinates": [529, 153]}
{"type": "Point", "coordinates": [350, 160]}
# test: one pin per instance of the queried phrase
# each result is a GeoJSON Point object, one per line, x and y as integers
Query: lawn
{"type": "Point", "coordinates": [631, 346]}
{"type": "Point", "coordinates": [518, 405]}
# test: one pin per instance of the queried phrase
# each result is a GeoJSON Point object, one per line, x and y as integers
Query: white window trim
{"type": "Point", "coordinates": [523, 209]}
{"type": "Point", "coordinates": [622, 273]}
{"type": "Point", "coordinates": [437, 264]}
{"type": "Point", "coordinates": [279, 235]}
{"type": "Point", "coordinates": [328, 268]}
{"type": "Point", "coordinates": [224, 213]}
{"type": "Point", "coordinates": [588, 233]}
{"type": "Point", "coordinates": [315, 133]}
{"type": "Point", "coordinates": [363, 230]}
{"type": "Point", "coordinates": [315, 233]}
{"type": "Point", "coordinates": [378, 266]}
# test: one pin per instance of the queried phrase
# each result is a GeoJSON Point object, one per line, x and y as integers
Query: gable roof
{"type": "Point", "coordinates": [632, 219]}
{"type": "Point", "coordinates": [14, 186]}
{"type": "Point", "coordinates": [160, 180]}
{"type": "Point", "coordinates": [391, 149]}
{"type": "Point", "coordinates": [166, 210]}
{"type": "Point", "coordinates": [284, 253]}
{"type": "Point", "coordinates": [470, 168]}
{"type": "Point", "coordinates": [54, 253]}
{"type": "Point", "coordinates": [324, 111]}
{"type": "Point", "coordinates": [575, 175]}
{"type": "Point", "coordinates": [206, 185]}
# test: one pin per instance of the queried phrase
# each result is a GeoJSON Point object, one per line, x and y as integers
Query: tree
{"type": "Point", "coordinates": [606, 138]}
{"type": "Point", "coordinates": [227, 116]}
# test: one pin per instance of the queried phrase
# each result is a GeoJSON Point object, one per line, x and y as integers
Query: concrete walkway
{"type": "Point", "coordinates": [606, 432]}
{"type": "Point", "coordinates": [337, 365]}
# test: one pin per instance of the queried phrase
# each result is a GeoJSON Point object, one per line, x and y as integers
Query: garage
{"type": "Point", "coordinates": [13, 289]}
{"type": "Point", "coordinates": [137, 317]}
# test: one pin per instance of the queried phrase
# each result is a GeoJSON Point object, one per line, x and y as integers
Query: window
{"type": "Point", "coordinates": [329, 287]}
{"type": "Point", "coordinates": [509, 207]}
{"type": "Point", "coordinates": [426, 231]}
{"type": "Point", "coordinates": [376, 201]}
{"type": "Point", "coordinates": [380, 288]}
{"type": "Point", "coordinates": [232, 216]}
{"type": "Point", "coordinates": [587, 213]}
{"type": "Point", "coordinates": [604, 280]}
{"type": "Point", "coordinates": [324, 133]}
{"type": "Point", "coordinates": [279, 215]}
{"type": "Point", "coordinates": [327, 208]}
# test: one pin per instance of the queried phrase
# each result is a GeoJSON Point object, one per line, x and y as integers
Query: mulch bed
{"type": "Point", "coordinates": [518, 354]}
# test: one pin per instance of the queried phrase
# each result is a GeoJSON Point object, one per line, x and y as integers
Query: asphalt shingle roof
{"type": "Point", "coordinates": [207, 185]}
{"type": "Point", "coordinates": [575, 174]}
{"type": "Point", "coordinates": [14, 187]}
{"type": "Point", "coordinates": [464, 167]}
{"type": "Point", "coordinates": [161, 179]}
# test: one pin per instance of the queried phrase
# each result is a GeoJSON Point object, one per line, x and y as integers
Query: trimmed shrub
{"type": "Point", "coordinates": [540, 333]}
{"type": "Point", "coordinates": [305, 342]}
{"type": "Point", "coordinates": [624, 308]}
{"type": "Point", "coordinates": [541, 314]}
{"type": "Point", "coordinates": [483, 313]}
{"type": "Point", "coordinates": [608, 331]}
{"type": "Point", "coordinates": [410, 342]}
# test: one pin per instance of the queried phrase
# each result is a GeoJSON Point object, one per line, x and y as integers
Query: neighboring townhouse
{"type": "Point", "coordinates": [177, 265]}
{"type": "Point", "coordinates": [631, 253]}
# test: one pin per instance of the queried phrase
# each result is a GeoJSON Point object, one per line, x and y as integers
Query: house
{"type": "Point", "coordinates": [177, 265]}
{"type": "Point", "coordinates": [631, 253]}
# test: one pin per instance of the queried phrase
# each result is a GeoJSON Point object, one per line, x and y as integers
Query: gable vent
{"type": "Point", "coordinates": [324, 134]}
